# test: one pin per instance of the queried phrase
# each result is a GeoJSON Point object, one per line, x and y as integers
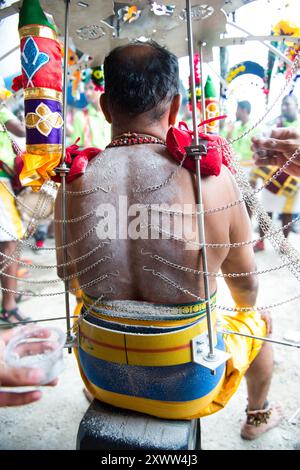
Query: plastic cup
{"type": "Point", "coordinates": [30, 348]}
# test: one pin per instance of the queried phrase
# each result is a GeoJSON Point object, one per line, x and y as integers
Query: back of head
{"type": "Point", "coordinates": [140, 78]}
{"type": "Point", "coordinates": [289, 107]}
{"type": "Point", "coordinates": [245, 106]}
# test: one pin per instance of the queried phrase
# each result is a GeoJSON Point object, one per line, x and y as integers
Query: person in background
{"type": "Point", "coordinates": [11, 228]}
{"type": "Point", "coordinates": [277, 149]}
{"type": "Point", "coordinates": [282, 195]}
{"type": "Point", "coordinates": [89, 124]}
{"type": "Point", "coordinates": [242, 146]}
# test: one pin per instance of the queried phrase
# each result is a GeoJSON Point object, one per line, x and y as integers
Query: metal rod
{"type": "Point", "coordinates": [9, 52]}
{"type": "Point", "coordinates": [65, 80]}
{"type": "Point", "coordinates": [240, 40]}
{"type": "Point", "coordinates": [64, 173]}
{"type": "Point", "coordinates": [202, 86]}
{"type": "Point", "coordinates": [269, 46]}
{"type": "Point", "coordinates": [192, 70]}
{"type": "Point", "coordinates": [261, 338]}
{"type": "Point", "coordinates": [221, 79]}
{"type": "Point", "coordinates": [200, 215]}
{"type": "Point", "coordinates": [4, 326]}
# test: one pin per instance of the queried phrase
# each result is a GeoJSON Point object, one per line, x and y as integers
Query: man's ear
{"type": "Point", "coordinates": [174, 109]}
{"type": "Point", "coordinates": [104, 107]}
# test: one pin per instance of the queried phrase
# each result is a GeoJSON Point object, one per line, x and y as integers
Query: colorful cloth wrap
{"type": "Point", "coordinates": [282, 185]}
{"type": "Point", "coordinates": [144, 363]}
{"type": "Point", "coordinates": [42, 83]}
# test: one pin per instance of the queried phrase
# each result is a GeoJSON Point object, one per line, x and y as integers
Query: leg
{"type": "Point", "coordinates": [260, 417]}
{"type": "Point", "coordinates": [259, 377]}
{"type": "Point", "coordinates": [8, 298]}
{"type": "Point", "coordinates": [10, 311]}
{"type": "Point", "coordinates": [286, 219]}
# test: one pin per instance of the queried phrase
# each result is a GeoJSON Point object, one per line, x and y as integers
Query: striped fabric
{"type": "Point", "coordinates": [147, 366]}
{"type": "Point", "coordinates": [283, 184]}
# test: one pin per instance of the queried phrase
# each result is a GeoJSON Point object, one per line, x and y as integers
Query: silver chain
{"type": "Point", "coordinates": [39, 210]}
{"type": "Point", "coordinates": [29, 209]}
{"type": "Point", "coordinates": [281, 245]}
{"type": "Point", "coordinates": [212, 274]}
{"type": "Point", "coordinates": [170, 178]}
{"type": "Point", "coordinates": [219, 307]}
{"type": "Point", "coordinates": [62, 279]}
{"type": "Point", "coordinates": [53, 266]}
{"type": "Point", "coordinates": [220, 245]}
{"type": "Point", "coordinates": [71, 290]}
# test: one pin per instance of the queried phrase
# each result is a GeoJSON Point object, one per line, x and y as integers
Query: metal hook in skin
{"type": "Point", "coordinates": [149, 270]}
{"type": "Point", "coordinates": [116, 274]}
{"type": "Point", "coordinates": [144, 252]}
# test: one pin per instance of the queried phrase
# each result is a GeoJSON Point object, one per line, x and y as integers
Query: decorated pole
{"type": "Point", "coordinates": [42, 83]}
{"type": "Point", "coordinates": [212, 107]}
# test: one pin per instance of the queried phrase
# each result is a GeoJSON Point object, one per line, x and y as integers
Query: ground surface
{"type": "Point", "coordinates": [52, 423]}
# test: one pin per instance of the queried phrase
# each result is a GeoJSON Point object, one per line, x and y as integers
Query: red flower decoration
{"type": "Point", "coordinates": [17, 83]}
{"type": "Point", "coordinates": [77, 160]}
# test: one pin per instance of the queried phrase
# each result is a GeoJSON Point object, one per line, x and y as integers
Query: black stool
{"type": "Point", "coordinates": [105, 427]}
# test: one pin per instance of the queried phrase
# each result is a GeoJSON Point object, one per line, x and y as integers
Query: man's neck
{"type": "Point", "coordinates": [158, 131]}
{"type": "Point", "coordinates": [96, 107]}
{"type": "Point", "coordinates": [244, 122]}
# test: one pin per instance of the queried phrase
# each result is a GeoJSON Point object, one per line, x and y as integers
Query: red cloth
{"type": "Point", "coordinates": [17, 83]}
{"type": "Point", "coordinates": [77, 160]}
{"type": "Point", "coordinates": [211, 163]}
{"type": "Point", "coordinates": [50, 75]}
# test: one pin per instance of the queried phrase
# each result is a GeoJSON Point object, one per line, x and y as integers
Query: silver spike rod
{"type": "Point", "coordinates": [197, 156]}
{"type": "Point", "coordinates": [63, 170]}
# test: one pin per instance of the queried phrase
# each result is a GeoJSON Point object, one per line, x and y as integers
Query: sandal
{"type": "Point", "coordinates": [261, 421]}
{"type": "Point", "coordinates": [6, 315]}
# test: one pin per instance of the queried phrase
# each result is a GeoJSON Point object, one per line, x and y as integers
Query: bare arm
{"type": "Point", "coordinates": [15, 127]}
{"type": "Point", "coordinates": [242, 259]}
{"type": "Point", "coordinates": [277, 149]}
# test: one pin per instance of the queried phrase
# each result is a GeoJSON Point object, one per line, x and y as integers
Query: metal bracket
{"type": "Point", "coordinates": [197, 151]}
{"type": "Point", "coordinates": [62, 169]}
{"type": "Point", "coordinates": [200, 347]}
{"type": "Point", "coordinates": [72, 342]}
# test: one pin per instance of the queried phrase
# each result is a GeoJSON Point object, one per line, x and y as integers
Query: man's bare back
{"type": "Point", "coordinates": [127, 176]}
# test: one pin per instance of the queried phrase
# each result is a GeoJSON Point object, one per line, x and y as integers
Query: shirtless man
{"type": "Point", "coordinates": [141, 96]}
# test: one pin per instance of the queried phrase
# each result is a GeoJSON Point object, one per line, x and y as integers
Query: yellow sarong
{"type": "Point", "coordinates": [243, 351]}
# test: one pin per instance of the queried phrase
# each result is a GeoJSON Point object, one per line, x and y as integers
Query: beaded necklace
{"type": "Point", "coordinates": [133, 138]}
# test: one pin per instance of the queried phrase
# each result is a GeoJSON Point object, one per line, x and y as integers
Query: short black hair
{"type": "Point", "coordinates": [245, 105]}
{"type": "Point", "coordinates": [139, 78]}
